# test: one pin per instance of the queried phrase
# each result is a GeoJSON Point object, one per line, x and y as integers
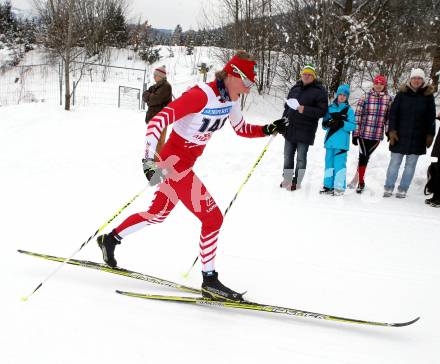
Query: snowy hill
{"type": "Point", "coordinates": [65, 173]}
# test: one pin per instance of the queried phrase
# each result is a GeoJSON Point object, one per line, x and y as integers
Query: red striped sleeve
{"type": "Point", "coordinates": [191, 101]}
{"type": "Point", "coordinates": [248, 130]}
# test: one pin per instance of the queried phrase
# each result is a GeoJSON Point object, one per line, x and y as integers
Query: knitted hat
{"type": "Point", "coordinates": [343, 90]}
{"type": "Point", "coordinates": [310, 70]}
{"type": "Point", "coordinates": [417, 72]}
{"type": "Point", "coordinates": [160, 72]}
{"type": "Point", "coordinates": [244, 65]}
{"type": "Point", "coordinates": [380, 80]}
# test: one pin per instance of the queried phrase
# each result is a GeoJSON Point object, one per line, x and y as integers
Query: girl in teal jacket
{"type": "Point", "coordinates": [338, 122]}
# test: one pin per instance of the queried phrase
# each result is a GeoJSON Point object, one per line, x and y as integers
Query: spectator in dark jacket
{"type": "Point", "coordinates": [303, 122]}
{"type": "Point", "coordinates": [157, 97]}
{"type": "Point", "coordinates": [433, 184]}
{"type": "Point", "coordinates": [411, 130]}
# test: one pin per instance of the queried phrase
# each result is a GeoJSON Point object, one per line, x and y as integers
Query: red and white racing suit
{"type": "Point", "coordinates": [195, 116]}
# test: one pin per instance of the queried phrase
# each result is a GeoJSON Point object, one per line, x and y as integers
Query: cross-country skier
{"type": "Point", "coordinates": [195, 116]}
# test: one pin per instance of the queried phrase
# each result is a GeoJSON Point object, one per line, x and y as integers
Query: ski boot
{"type": "Point", "coordinates": [212, 288]}
{"type": "Point", "coordinates": [107, 243]}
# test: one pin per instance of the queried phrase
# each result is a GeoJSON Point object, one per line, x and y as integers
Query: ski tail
{"type": "Point", "coordinates": [116, 270]}
{"type": "Point", "coordinates": [246, 305]}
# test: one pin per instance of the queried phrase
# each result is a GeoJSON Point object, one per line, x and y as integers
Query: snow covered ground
{"type": "Point", "coordinates": [63, 174]}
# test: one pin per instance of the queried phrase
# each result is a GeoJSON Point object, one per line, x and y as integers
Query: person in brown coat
{"type": "Point", "coordinates": [433, 184]}
{"type": "Point", "coordinates": [157, 97]}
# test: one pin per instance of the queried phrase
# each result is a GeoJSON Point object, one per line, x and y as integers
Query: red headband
{"type": "Point", "coordinates": [244, 65]}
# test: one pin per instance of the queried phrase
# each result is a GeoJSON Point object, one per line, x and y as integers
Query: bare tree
{"type": "Point", "coordinates": [78, 31]}
{"type": "Point", "coordinates": [307, 38]}
{"type": "Point", "coordinates": [356, 34]}
{"type": "Point", "coordinates": [249, 25]}
{"type": "Point", "coordinates": [332, 34]}
{"type": "Point", "coordinates": [433, 31]}
{"type": "Point", "coordinates": [408, 39]}
{"type": "Point", "coordinates": [345, 39]}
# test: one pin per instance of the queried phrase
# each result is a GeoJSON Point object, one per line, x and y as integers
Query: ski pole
{"type": "Point", "coordinates": [25, 298]}
{"type": "Point", "coordinates": [185, 275]}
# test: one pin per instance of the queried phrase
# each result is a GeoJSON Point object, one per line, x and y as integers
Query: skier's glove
{"type": "Point", "coordinates": [354, 140]}
{"type": "Point", "coordinates": [152, 171]}
{"type": "Point", "coordinates": [278, 126]}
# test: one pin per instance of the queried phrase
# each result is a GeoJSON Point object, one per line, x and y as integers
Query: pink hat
{"type": "Point", "coordinates": [381, 80]}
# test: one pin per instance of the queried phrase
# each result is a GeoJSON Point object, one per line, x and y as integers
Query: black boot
{"type": "Point", "coordinates": [213, 288]}
{"type": "Point", "coordinates": [107, 243]}
{"type": "Point", "coordinates": [429, 200]}
{"type": "Point", "coordinates": [326, 191]}
{"type": "Point", "coordinates": [360, 187]}
{"type": "Point", "coordinates": [434, 201]}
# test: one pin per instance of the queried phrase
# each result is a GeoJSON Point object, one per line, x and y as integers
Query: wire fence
{"type": "Point", "coordinates": [96, 84]}
{"type": "Point", "coordinates": [30, 83]}
{"type": "Point", "coordinates": [91, 84]}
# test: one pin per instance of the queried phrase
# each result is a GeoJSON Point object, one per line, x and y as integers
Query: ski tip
{"type": "Point", "coordinates": [21, 251]}
{"type": "Point", "coordinates": [23, 299]}
{"type": "Point", "coordinates": [406, 323]}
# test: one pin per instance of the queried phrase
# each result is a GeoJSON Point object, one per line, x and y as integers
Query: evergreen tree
{"type": "Point", "coordinates": [117, 26]}
{"type": "Point", "coordinates": [8, 24]}
{"type": "Point", "coordinates": [177, 38]}
{"type": "Point", "coordinates": [141, 40]}
{"type": "Point", "coordinates": [18, 36]}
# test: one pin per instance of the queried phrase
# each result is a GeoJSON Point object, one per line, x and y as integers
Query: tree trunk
{"type": "Point", "coordinates": [436, 67]}
{"type": "Point", "coordinates": [340, 64]}
{"type": "Point", "coordinates": [337, 76]}
{"type": "Point", "coordinates": [67, 82]}
{"type": "Point", "coordinates": [236, 25]}
{"type": "Point", "coordinates": [67, 59]}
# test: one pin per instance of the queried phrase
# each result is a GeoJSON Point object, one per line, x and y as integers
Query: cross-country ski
{"type": "Point", "coordinates": [115, 270]}
{"type": "Point", "coordinates": [246, 305]}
